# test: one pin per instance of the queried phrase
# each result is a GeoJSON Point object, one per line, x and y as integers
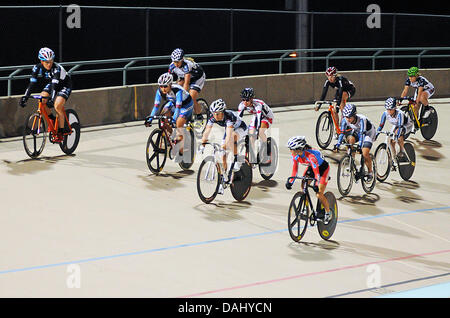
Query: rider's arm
{"type": "Point", "coordinates": [343, 128]}
{"type": "Point", "coordinates": [206, 133]}
{"type": "Point", "coordinates": [419, 94]}
{"type": "Point", "coordinates": [405, 89]}
{"type": "Point", "coordinates": [338, 96]}
{"type": "Point", "coordinates": [362, 132]}
{"type": "Point", "coordinates": [382, 122]}
{"type": "Point", "coordinates": [400, 123]}
{"type": "Point", "coordinates": [258, 115]}
{"type": "Point", "coordinates": [294, 168]}
{"type": "Point", "coordinates": [187, 81]}
{"type": "Point", "coordinates": [178, 103]}
{"type": "Point", "coordinates": [54, 83]}
{"type": "Point", "coordinates": [241, 109]}
{"type": "Point", "coordinates": [157, 103]}
{"type": "Point", "coordinates": [228, 135]}
{"type": "Point", "coordinates": [324, 90]}
{"type": "Point", "coordinates": [33, 80]}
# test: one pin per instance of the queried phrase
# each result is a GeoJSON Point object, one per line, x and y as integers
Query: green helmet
{"type": "Point", "coordinates": [413, 71]}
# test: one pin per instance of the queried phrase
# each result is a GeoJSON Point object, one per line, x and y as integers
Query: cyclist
{"type": "Point", "coordinates": [235, 131]}
{"type": "Point", "coordinates": [58, 88]}
{"type": "Point", "coordinates": [178, 105]}
{"type": "Point", "coordinates": [401, 125]}
{"type": "Point", "coordinates": [424, 90]}
{"type": "Point", "coordinates": [345, 89]}
{"type": "Point", "coordinates": [318, 168]}
{"type": "Point", "coordinates": [359, 128]}
{"type": "Point", "coordinates": [262, 117]}
{"type": "Point", "coordinates": [190, 75]}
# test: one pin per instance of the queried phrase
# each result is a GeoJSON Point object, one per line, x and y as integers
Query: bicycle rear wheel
{"type": "Point", "coordinates": [188, 152]}
{"type": "Point", "coordinates": [208, 180]}
{"type": "Point", "coordinates": [406, 168]}
{"type": "Point", "coordinates": [70, 142]}
{"type": "Point", "coordinates": [324, 130]}
{"type": "Point", "coordinates": [383, 159]}
{"type": "Point", "coordinates": [368, 186]}
{"type": "Point", "coordinates": [156, 150]}
{"type": "Point", "coordinates": [326, 229]}
{"type": "Point", "coordinates": [298, 216]}
{"type": "Point", "coordinates": [267, 170]}
{"type": "Point", "coordinates": [242, 181]}
{"type": "Point", "coordinates": [345, 175]}
{"type": "Point", "coordinates": [200, 125]}
{"type": "Point", "coordinates": [430, 124]}
{"type": "Point", "coordinates": [34, 135]}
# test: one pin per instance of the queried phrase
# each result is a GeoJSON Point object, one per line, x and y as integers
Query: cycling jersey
{"type": "Point", "coordinates": [362, 129]}
{"type": "Point", "coordinates": [59, 81]}
{"type": "Point", "coordinates": [420, 82]}
{"type": "Point", "coordinates": [315, 162]}
{"type": "Point", "coordinates": [189, 66]}
{"type": "Point", "coordinates": [260, 111]}
{"type": "Point", "coordinates": [341, 84]}
{"type": "Point", "coordinates": [176, 100]}
{"type": "Point", "coordinates": [230, 119]}
{"type": "Point", "coordinates": [398, 121]}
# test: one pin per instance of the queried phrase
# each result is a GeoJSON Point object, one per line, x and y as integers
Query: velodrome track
{"type": "Point", "coordinates": [101, 214]}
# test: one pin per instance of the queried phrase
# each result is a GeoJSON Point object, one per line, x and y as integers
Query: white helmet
{"type": "Point", "coordinates": [165, 79]}
{"type": "Point", "coordinates": [218, 106]}
{"type": "Point", "coordinates": [296, 142]}
{"type": "Point", "coordinates": [46, 54]}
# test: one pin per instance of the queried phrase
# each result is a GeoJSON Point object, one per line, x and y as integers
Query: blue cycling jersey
{"type": "Point", "coordinates": [177, 98]}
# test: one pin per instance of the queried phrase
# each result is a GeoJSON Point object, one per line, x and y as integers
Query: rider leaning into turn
{"type": "Point", "coordinates": [58, 88]}
{"type": "Point", "coordinates": [318, 168]}
{"type": "Point", "coordinates": [262, 117]}
{"type": "Point", "coordinates": [190, 75]}
{"type": "Point", "coordinates": [358, 127]}
{"type": "Point", "coordinates": [401, 125]}
{"type": "Point", "coordinates": [345, 89]}
{"type": "Point", "coordinates": [178, 104]}
{"type": "Point", "coordinates": [424, 90]}
{"type": "Point", "coordinates": [235, 131]}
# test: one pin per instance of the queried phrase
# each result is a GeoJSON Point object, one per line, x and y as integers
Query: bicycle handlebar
{"type": "Point", "coordinates": [319, 103]}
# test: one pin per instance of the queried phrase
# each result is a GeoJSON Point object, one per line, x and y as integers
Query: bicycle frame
{"type": "Point", "coordinates": [332, 109]}
{"type": "Point", "coordinates": [306, 185]}
{"type": "Point", "coordinates": [387, 141]}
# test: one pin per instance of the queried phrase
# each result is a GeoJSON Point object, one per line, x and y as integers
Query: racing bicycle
{"type": "Point", "coordinates": [428, 125]}
{"type": "Point", "coordinates": [327, 123]}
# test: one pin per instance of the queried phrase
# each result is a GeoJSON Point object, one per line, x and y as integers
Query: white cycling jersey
{"type": "Point", "coordinates": [260, 111]}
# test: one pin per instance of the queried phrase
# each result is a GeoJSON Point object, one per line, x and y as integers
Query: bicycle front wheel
{"type": "Point", "coordinates": [242, 181]}
{"type": "Point", "coordinates": [430, 124]}
{"type": "Point", "coordinates": [298, 216]}
{"type": "Point", "coordinates": [324, 130]}
{"type": "Point", "coordinates": [156, 150]}
{"type": "Point", "coordinates": [383, 158]}
{"type": "Point", "coordinates": [70, 142]}
{"type": "Point", "coordinates": [406, 168]}
{"type": "Point", "coordinates": [208, 180]}
{"type": "Point", "coordinates": [345, 175]}
{"type": "Point", "coordinates": [200, 124]}
{"type": "Point", "coordinates": [34, 136]}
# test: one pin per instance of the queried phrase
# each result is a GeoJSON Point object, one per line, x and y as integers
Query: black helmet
{"type": "Point", "coordinates": [247, 93]}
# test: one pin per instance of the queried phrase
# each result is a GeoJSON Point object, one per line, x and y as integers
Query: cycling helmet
{"type": "Point", "coordinates": [218, 106]}
{"type": "Point", "coordinates": [331, 71]}
{"type": "Point", "coordinates": [413, 71]}
{"type": "Point", "coordinates": [46, 54]}
{"type": "Point", "coordinates": [248, 93]}
{"type": "Point", "coordinates": [349, 110]}
{"type": "Point", "coordinates": [390, 103]}
{"type": "Point", "coordinates": [177, 55]}
{"type": "Point", "coordinates": [296, 143]}
{"type": "Point", "coordinates": [165, 79]}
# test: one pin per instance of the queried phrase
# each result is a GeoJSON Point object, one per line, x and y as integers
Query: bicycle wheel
{"type": "Point", "coordinates": [326, 228]}
{"type": "Point", "coordinates": [383, 159]}
{"type": "Point", "coordinates": [406, 168]}
{"type": "Point", "coordinates": [188, 152]}
{"type": "Point", "coordinates": [430, 124]}
{"type": "Point", "coordinates": [208, 179]}
{"type": "Point", "coordinates": [200, 125]}
{"type": "Point", "coordinates": [324, 130]}
{"type": "Point", "coordinates": [267, 170]}
{"type": "Point", "coordinates": [242, 181]}
{"type": "Point", "coordinates": [156, 151]}
{"type": "Point", "coordinates": [70, 142]}
{"type": "Point", "coordinates": [298, 216]}
{"type": "Point", "coordinates": [34, 135]}
{"type": "Point", "coordinates": [368, 186]}
{"type": "Point", "coordinates": [345, 175]}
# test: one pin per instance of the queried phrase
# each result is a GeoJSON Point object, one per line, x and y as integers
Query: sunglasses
{"type": "Point", "coordinates": [246, 99]}
{"type": "Point", "coordinates": [163, 86]}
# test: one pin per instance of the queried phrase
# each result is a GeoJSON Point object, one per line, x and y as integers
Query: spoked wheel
{"type": "Point", "coordinates": [242, 181]}
{"type": "Point", "coordinates": [156, 151]}
{"type": "Point", "coordinates": [298, 216]}
{"type": "Point", "coordinates": [383, 159]}
{"type": "Point", "coordinates": [208, 180]}
{"type": "Point", "coordinates": [345, 175]}
{"type": "Point", "coordinates": [188, 151]}
{"type": "Point", "coordinates": [200, 125]}
{"type": "Point", "coordinates": [267, 169]}
{"type": "Point", "coordinates": [406, 167]}
{"type": "Point", "coordinates": [324, 130]}
{"type": "Point", "coordinates": [326, 228]}
{"type": "Point", "coordinates": [34, 135]}
{"type": "Point", "coordinates": [430, 124]}
{"type": "Point", "coordinates": [70, 141]}
{"type": "Point", "coordinates": [368, 186]}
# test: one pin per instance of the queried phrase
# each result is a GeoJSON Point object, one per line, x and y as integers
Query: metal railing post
{"type": "Point", "coordinates": [419, 58]}
{"type": "Point", "coordinates": [231, 63]}
{"type": "Point", "coordinates": [280, 63]}
{"type": "Point", "coordinates": [10, 77]}
{"type": "Point", "coordinates": [328, 58]}
{"type": "Point", "coordinates": [374, 57]}
{"type": "Point", "coordinates": [124, 76]}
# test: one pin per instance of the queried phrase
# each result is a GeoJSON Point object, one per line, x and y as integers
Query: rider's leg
{"type": "Point", "coordinates": [351, 140]}
{"type": "Point", "coordinates": [367, 159]}
{"type": "Point", "coordinates": [194, 95]}
{"type": "Point", "coordinates": [59, 108]}
{"type": "Point", "coordinates": [344, 100]}
{"type": "Point", "coordinates": [166, 112]}
{"type": "Point", "coordinates": [320, 195]}
{"type": "Point", "coordinates": [252, 144]}
{"type": "Point", "coordinates": [181, 121]}
{"type": "Point", "coordinates": [44, 101]}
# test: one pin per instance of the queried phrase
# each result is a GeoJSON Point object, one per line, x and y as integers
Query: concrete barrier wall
{"type": "Point", "coordinates": [121, 104]}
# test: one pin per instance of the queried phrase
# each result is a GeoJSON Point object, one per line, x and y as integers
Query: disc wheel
{"type": "Point", "coordinates": [188, 151]}
{"type": "Point", "coordinates": [70, 141]}
{"type": "Point", "coordinates": [430, 124]}
{"type": "Point", "coordinates": [242, 181]}
{"type": "Point", "coordinates": [326, 229]}
{"type": "Point", "coordinates": [406, 168]}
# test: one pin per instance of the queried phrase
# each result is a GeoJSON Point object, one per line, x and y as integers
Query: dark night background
{"type": "Point", "coordinates": [120, 33]}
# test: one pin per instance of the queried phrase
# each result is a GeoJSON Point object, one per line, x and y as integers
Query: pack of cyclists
{"type": "Point", "coordinates": [178, 102]}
